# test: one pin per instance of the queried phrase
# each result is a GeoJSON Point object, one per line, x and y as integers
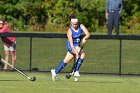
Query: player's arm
{"type": "Point", "coordinates": [69, 35]}
{"type": "Point", "coordinates": [107, 10]}
{"type": "Point", "coordinates": [87, 34]}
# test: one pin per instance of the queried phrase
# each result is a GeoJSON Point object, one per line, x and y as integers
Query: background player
{"type": "Point", "coordinates": [9, 44]}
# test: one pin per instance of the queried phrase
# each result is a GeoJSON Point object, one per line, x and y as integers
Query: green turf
{"type": "Point", "coordinates": [102, 56]}
{"type": "Point", "coordinates": [13, 82]}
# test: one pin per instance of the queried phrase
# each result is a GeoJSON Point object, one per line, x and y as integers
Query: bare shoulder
{"type": "Point", "coordinates": [69, 32]}
{"type": "Point", "coordinates": [6, 25]}
{"type": "Point", "coordinates": [82, 26]}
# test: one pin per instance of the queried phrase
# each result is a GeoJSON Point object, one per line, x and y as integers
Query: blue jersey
{"type": "Point", "coordinates": [76, 36]}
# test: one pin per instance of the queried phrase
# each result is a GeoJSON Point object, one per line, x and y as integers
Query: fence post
{"type": "Point", "coordinates": [120, 58]}
{"type": "Point", "coordinates": [30, 54]}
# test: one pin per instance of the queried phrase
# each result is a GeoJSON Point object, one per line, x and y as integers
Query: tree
{"type": "Point", "coordinates": [52, 15]}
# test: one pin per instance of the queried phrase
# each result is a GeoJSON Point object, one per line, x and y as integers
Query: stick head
{"type": "Point", "coordinates": [33, 78]}
{"type": "Point", "coordinates": [68, 76]}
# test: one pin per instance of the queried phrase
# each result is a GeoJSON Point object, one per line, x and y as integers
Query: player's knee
{"type": "Point", "coordinates": [65, 60]}
{"type": "Point", "coordinates": [82, 56]}
{"type": "Point", "coordinates": [6, 54]}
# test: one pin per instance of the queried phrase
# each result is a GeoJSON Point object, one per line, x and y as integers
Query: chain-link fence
{"type": "Point", "coordinates": [104, 54]}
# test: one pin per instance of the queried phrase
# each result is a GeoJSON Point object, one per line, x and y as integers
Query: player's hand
{"type": "Point", "coordinates": [106, 15]}
{"type": "Point", "coordinates": [84, 41]}
{"type": "Point", "coordinates": [74, 50]}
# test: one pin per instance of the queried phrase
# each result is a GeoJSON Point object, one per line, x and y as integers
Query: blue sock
{"type": "Point", "coordinates": [78, 64]}
{"type": "Point", "coordinates": [60, 66]}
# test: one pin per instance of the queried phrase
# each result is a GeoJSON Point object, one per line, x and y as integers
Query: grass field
{"type": "Point", "coordinates": [13, 82]}
{"type": "Point", "coordinates": [102, 57]}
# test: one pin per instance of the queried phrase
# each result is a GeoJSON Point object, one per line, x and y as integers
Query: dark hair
{"type": "Point", "coordinates": [71, 16]}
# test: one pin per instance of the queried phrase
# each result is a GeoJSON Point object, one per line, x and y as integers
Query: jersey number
{"type": "Point", "coordinates": [78, 40]}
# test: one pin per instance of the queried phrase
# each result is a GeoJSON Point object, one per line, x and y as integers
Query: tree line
{"type": "Point", "coordinates": [52, 15]}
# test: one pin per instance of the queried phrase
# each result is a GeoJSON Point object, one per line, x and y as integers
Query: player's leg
{"type": "Point", "coordinates": [61, 65]}
{"type": "Point", "coordinates": [13, 53]}
{"type": "Point", "coordinates": [1, 63]}
{"type": "Point", "coordinates": [110, 23]}
{"type": "Point", "coordinates": [79, 62]}
{"type": "Point", "coordinates": [116, 22]}
{"type": "Point", "coordinates": [6, 52]}
{"type": "Point", "coordinates": [64, 62]}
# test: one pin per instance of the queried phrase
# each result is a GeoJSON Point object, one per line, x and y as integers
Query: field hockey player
{"type": "Point", "coordinates": [74, 34]}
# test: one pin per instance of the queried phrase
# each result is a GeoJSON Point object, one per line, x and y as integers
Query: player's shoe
{"type": "Point", "coordinates": [53, 74]}
{"type": "Point", "coordinates": [72, 73]}
{"type": "Point", "coordinates": [77, 74]}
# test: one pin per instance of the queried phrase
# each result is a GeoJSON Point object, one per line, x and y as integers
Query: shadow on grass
{"type": "Point", "coordinates": [100, 81]}
{"type": "Point", "coordinates": [10, 80]}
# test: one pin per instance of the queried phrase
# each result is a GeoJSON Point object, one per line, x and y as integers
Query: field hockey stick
{"type": "Point", "coordinates": [25, 75]}
{"type": "Point", "coordinates": [74, 65]}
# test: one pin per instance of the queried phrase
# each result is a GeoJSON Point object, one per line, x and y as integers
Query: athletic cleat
{"type": "Point", "coordinates": [72, 73]}
{"type": "Point", "coordinates": [53, 74]}
{"type": "Point", "coordinates": [77, 74]}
